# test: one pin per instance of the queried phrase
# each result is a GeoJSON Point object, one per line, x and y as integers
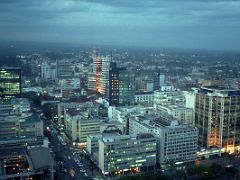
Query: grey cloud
{"type": "Point", "coordinates": [158, 22]}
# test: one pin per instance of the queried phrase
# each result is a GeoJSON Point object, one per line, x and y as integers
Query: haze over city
{"type": "Point", "coordinates": [194, 24]}
{"type": "Point", "coordinates": [119, 89]}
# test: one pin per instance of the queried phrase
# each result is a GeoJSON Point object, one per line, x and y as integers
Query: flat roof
{"type": "Point", "coordinates": [218, 89]}
{"type": "Point", "coordinates": [41, 158]}
{"type": "Point", "coordinates": [32, 118]}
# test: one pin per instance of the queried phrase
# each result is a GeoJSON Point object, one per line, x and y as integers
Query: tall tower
{"type": "Point", "coordinates": [106, 60]}
{"type": "Point", "coordinates": [98, 73]}
{"type": "Point", "coordinates": [121, 86]}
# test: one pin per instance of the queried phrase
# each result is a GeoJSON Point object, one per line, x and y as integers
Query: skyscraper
{"type": "Point", "coordinates": [162, 80]}
{"type": "Point", "coordinates": [10, 83]}
{"type": "Point", "coordinates": [217, 117]}
{"type": "Point", "coordinates": [113, 84]}
{"type": "Point", "coordinates": [105, 74]}
{"type": "Point", "coordinates": [64, 69]}
{"type": "Point", "coordinates": [98, 78]}
{"type": "Point", "coordinates": [121, 86]}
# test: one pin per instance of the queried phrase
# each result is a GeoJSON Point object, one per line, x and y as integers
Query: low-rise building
{"type": "Point", "coordinates": [145, 98]}
{"type": "Point", "coordinates": [180, 112]}
{"type": "Point", "coordinates": [17, 127]}
{"type": "Point", "coordinates": [21, 105]}
{"type": "Point", "coordinates": [80, 124]}
{"type": "Point", "coordinates": [168, 95]}
{"type": "Point", "coordinates": [118, 153]}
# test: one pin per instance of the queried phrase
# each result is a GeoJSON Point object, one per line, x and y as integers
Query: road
{"type": "Point", "coordinates": [65, 155]}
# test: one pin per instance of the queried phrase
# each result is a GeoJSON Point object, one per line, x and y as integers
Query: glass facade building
{"type": "Point", "coordinates": [121, 86]}
{"type": "Point", "coordinates": [10, 83]}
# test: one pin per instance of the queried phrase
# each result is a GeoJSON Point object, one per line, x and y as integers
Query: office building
{"type": "Point", "coordinates": [106, 60]}
{"type": "Point", "coordinates": [116, 153]}
{"type": "Point", "coordinates": [10, 83]}
{"type": "Point", "coordinates": [113, 84]}
{"type": "Point", "coordinates": [64, 69]}
{"type": "Point", "coordinates": [144, 98]}
{"type": "Point", "coordinates": [79, 125]}
{"type": "Point", "coordinates": [175, 142]}
{"type": "Point", "coordinates": [121, 86]}
{"type": "Point", "coordinates": [91, 80]}
{"type": "Point", "coordinates": [217, 117]}
{"type": "Point", "coordinates": [21, 127]}
{"type": "Point", "coordinates": [70, 83]}
{"type": "Point", "coordinates": [63, 107]}
{"type": "Point", "coordinates": [48, 70]}
{"type": "Point", "coordinates": [21, 105]}
{"type": "Point", "coordinates": [162, 80]}
{"type": "Point", "coordinates": [98, 77]}
{"type": "Point", "coordinates": [168, 95]}
{"type": "Point", "coordinates": [183, 114]}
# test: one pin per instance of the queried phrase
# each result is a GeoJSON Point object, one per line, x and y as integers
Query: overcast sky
{"type": "Point", "coordinates": [203, 24]}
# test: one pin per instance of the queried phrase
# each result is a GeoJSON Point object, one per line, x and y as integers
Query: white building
{"type": "Point", "coordinates": [79, 125]}
{"type": "Point", "coordinates": [70, 83]}
{"type": "Point", "coordinates": [162, 80]}
{"type": "Point", "coordinates": [144, 98]}
{"type": "Point", "coordinates": [105, 73]}
{"type": "Point", "coordinates": [168, 96]}
{"type": "Point", "coordinates": [178, 143]}
{"type": "Point", "coordinates": [180, 112]}
{"type": "Point", "coordinates": [175, 142]}
{"type": "Point", "coordinates": [118, 153]}
{"type": "Point", "coordinates": [48, 70]}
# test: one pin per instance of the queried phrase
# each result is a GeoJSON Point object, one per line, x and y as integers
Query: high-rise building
{"type": "Point", "coordinates": [64, 69]}
{"type": "Point", "coordinates": [162, 80]}
{"type": "Point", "coordinates": [10, 83]}
{"type": "Point", "coordinates": [121, 86]}
{"type": "Point", "coordinates": [217, 117]}
{"type": "Point", "coordinates": [105, 74]}
{"type": "Point", "coordinates": [114, 84]}
{"type": "Point", "coordinates": [98, 78]}
{"type": "Point", "coordinates": [48, 70]}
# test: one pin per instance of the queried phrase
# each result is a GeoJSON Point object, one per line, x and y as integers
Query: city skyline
{"type": "Point", "coordinates": [192, 24]}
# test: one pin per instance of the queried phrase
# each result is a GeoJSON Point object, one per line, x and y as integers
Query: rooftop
{"type": "Point", "coordinates": [32, 118]}
{"type": "Point", "coordinates": [41, 158]}
{"type": "Point", "coordinates": [73, 112]}
{"type": "Point", "coordinates": [218, 89]}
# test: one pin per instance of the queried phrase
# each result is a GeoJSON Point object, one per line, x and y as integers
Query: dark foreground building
{"type": "Point", "coordinates": [10, 83]}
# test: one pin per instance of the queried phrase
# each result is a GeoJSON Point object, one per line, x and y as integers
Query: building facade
{"type": "Point", "coordinates": [175, 142]}
{"type": "Point", "coordinates": [118, 153]}
{"type": "Point", "coordinates": [217, 117]}
{"type": "Point", "coordinates": [121, 86]}
{"type": "Point", "coordinates": [10, 83]}
{"type": "Point", "coordinates": [144, 98]}
{"type": "Point", "coordinates": [80, 125]}
{"type": "Point", "coordinates": [180, 112]}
